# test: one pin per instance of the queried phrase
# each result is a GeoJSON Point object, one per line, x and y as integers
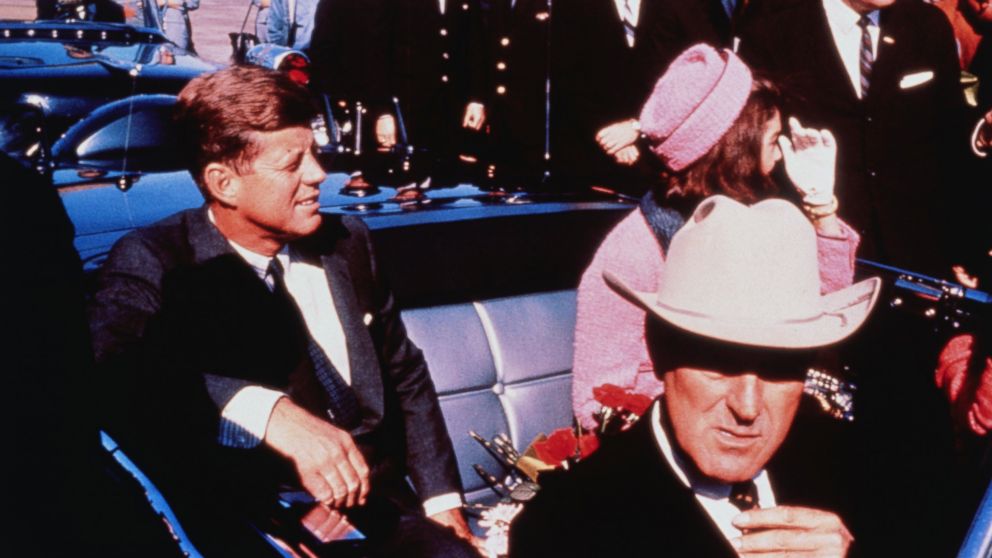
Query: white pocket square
{"type": "Point", "coordinates": [912, 80]}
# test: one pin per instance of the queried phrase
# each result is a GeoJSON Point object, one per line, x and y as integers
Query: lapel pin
{"type": "Point", "coordinates": [367, 319]}
{"type": "Point", "coordinates": [888, 40]}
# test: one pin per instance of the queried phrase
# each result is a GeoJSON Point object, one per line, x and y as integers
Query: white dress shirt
{"type": "Point", "coordinates": [245, 418]}
{"type": "Point", "coordinates": [714, 497]}
{"type": "Point", "coordinates": [843, 23]}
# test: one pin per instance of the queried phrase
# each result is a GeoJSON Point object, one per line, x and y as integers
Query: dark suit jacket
{"type": "Point", "coordinates": [597, 79]}
{"type": "Point", "coordinates": [900, 150]}
{"type": "Point", "coordinates": [184, 323]}
{"type": "Point", "coordinates": [625, 500]}
{"type": "Point", "coordinates": [350, 51]}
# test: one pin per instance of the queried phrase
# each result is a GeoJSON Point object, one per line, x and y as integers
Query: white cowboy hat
{"type": "Point", "coordinates": [750, 275]}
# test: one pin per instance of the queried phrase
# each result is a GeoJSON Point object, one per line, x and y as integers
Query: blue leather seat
{"type": "Point", "coordinates": [500, 366]}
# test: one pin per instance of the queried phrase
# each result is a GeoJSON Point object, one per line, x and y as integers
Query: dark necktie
{"type": "Point", "coordinates": [744, 495]}
{"type": "Point", "coordinates": [867, 57]}
{"type": "Point", "coordinates": [342, 403]}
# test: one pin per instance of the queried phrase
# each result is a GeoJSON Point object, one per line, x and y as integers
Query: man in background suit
{"type": "Point", "coordinates": [271, 350]}
{"type": "Point", "coordinates": [896, 108]}
{"type": "Point", "coordinates": [733, 349]}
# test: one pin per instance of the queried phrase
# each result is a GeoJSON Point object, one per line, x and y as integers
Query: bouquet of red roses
{"type": "Point", "coordinates": [559, 450]}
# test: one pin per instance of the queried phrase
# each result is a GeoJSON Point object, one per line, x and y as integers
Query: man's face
{"type": "Point", "coordinates": [276, 198]}
{"type": "Point", "coordinates": [730, 425]}
{"type": "Point", "coordinates": [866, 6]}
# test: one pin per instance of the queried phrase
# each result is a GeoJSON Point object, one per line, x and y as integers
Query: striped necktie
{"type": "Point", "coordinates": [341, 401]}
{"type": "Point", "coordinates": [867, 57]}
{"type": "Point", "coordinates": [629, 29]}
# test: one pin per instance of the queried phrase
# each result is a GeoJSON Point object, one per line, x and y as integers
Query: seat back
{"type": "Point", "coordinates": [500, 366]}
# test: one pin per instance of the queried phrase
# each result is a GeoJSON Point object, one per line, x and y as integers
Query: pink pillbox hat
{"type": "Point", "coordinates": [694, 103]}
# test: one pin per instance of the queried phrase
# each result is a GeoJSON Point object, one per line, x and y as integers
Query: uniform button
{"type": "Point", "coordinates": [444, 32]}
{"type": "Point", "coordinates": [445, 55]}
{"type": "Point", "coordinates": [501, 90]}
{"type": "Point", "coordinates": [868, 118]}
{"type": "Point", "coordinates": [444, 79]}
{"type": "Point", "coordinates": [872, 174]}
{"type": "Point", "coordinates": [501, 66]}
{"type": "Point", "coordinates": [499, 389]}
{"type": "Point", "coordinates": [465, 7]}
{"type": "Point", "coordinates": [505, 41]}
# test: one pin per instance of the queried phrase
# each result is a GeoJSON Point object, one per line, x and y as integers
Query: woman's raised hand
{"type": "Point", "coordinates": [810, 156]}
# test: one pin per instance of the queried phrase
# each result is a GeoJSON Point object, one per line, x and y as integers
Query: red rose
{"type": "Point", "coordinates": [561, 445]}
{"type": "Point", "coordinates": [588, 443]}
{"type": "Point", "coordinates": [610, 395]}
{"type": "Point", "coordinates": [637, 403]}
{"type": "Point", "coordinates": [620, 399]}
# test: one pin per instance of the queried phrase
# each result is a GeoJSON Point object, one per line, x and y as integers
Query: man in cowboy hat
{"type": "Point", "coordinates": [709, 471]}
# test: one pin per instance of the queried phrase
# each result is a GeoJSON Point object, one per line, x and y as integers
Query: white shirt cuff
{"type": "Point", "coordinates": [246, 416]}
{"type": "Point", "coordinates": [442, 503]}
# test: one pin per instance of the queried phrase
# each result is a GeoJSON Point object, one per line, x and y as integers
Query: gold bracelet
{"type": "Point", "coordinates": [817, 212]}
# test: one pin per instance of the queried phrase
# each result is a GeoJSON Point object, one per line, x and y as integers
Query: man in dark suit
{"type": "Point", "coordinates": [273, 350]}
{"type": "Point", "coordinates": [901, 137]}
{"type": "Point", "coordinates": [606, 56]}
{"type": "Point", "coordinates": [733, 339]}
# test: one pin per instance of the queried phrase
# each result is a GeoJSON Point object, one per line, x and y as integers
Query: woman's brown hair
{"type": "Point", "coordinates": [733, 166]}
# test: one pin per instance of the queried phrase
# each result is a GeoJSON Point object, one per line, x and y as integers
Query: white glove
{"type": "Point", "coordinates": [810, 159]}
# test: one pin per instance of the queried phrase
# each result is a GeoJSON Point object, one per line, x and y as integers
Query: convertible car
{"type": "Point", "coordinates": [485, 278]}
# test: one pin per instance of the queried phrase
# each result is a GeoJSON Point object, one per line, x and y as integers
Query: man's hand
{"type": "Point", "coordinates": [329, 465]}
{"type": "Point", "coordinates": [791, 531]}
{"type": "Point", "coordinates": [385, 130]}
{"type": "Point", "coordinates": [475, 116]}
{"type": "Point", "coordinates": [455, 519]}
{"type": "Point", "coordinates": [627, 156]}
{"type": "Point", "coordinates": [617, 136]}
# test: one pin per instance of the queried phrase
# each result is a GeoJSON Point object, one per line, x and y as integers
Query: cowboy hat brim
{"type": "Point", "coordinates": [842, 313]}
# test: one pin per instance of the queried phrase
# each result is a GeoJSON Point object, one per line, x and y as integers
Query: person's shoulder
{"type": "Point", "coordinates": [153, 249]}
{"type": "Point", "coordinates": [782, 15]}
{"type": "Point", "coordinates": [926, 21]}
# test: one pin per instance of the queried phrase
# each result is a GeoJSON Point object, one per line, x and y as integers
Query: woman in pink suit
{"type": "Point", "coordinates": [718, 130]}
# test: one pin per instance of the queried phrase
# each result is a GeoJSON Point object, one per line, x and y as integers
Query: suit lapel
{"type": "Point", "coordinates": [366, 377]}
{"type": "Point", "coordinates": [833, 77]}
{"type": "Point", "coordinates": [679, 522]}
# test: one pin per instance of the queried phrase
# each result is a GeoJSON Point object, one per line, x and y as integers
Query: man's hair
{"type": "Point", "coordinates": [217, 114]}
{"type": "Point", "coordinates": [733, 166]}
